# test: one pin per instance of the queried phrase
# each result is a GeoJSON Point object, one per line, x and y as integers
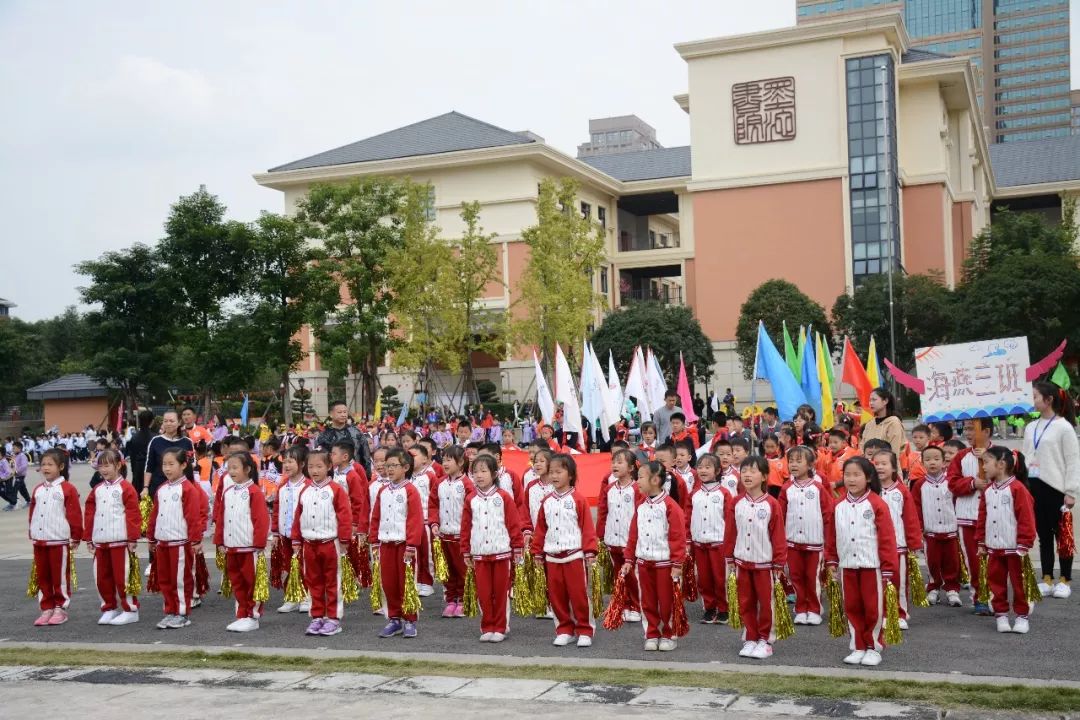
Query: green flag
{"type": "Point", "coordinates": [828, 360]}
{"type": "Point", "coordinates": [790, 356]}
{"type": "Point", "coordinates": [1061, 377]}
{"type": "Point", "coordinates": [802, 351]}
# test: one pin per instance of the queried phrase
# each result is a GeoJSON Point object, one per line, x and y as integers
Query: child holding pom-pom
{"type": "Point", "coordinates": [112, 527]}
{"type": "Point", "coordinates": [905, 518]}
{"type": "Point", "coordinates": [445, 512]}
{"type": "Point", "coordinates": [615, 511]}
{"type": "Point", "coordinates": [807, 507]}
{"type": "Point", "coordinates": [396, 533]}
{"type": "Point", "coordinates": [176, 528]}
{"type": "Point", "coordinates": [490, 537]}
{"type": "Point", "coordinates": [241, 526]}
{"type": "Point", "coordinates": [708, 511]}
{"type": "Point", "coordinates": [56, 529]}
{"type": "Point", "coordinates": [293, 480]}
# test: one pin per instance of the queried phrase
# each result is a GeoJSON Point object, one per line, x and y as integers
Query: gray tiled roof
{"type": "Point", "coordinates": [1036, 161]}
{"type": "Point", "coordinates": [644, 164]}
{"type": "Point", "coordinates": [441, 134]}
{"type": "Point", "coordinates": [917, 55]}
{"type": "Point", "coordinates": [76, 385]}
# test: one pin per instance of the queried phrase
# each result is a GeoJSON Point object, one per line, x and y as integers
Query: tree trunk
{"type": "Point", "coordinates": [469, 390]}
{"type": "Point", "coordinates": [206, 405]}
{"type": "Point", "coordinates": [286, 400]}
{"type": "Point", "coordinates": [368, 377]}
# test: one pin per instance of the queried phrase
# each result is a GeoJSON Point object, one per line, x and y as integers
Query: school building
{"type": "Point", "coordinates": [820, 153]}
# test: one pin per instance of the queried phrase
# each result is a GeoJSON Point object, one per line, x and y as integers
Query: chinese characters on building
{"type": "Point", "coordinates": [764, 110]}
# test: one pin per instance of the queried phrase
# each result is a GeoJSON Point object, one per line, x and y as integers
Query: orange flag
{"type": "Point", "coordinates": [854, 374]}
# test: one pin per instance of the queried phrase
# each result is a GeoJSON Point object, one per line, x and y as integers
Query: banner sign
{"type": "Point", "coordinates": [977, 379]}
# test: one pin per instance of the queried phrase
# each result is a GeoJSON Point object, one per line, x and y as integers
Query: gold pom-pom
{"type": "Point", "coordinates": [837, 616]}
{"type": "Point", "coordinates": [596, 589]}
{"type": "Point", "coordinates": [134, 578]}
{"type": "Point", "coordinates": [226, 585]}
{"type": "Point", "coordinates": [734, 618]}
{"type": "Point", "coordinates": [983, 595]}
{"type": "Point", "coordinates": [783, 623]}
{"type": "Point", "coordinates": [965, 574]}
{"type": "Point", "coordinates": [410, 602]}
{"type": "Point", "coordinates": [893, 636]}
{"type": "Point", "coordinates": [350, 590]}
{"type": "Point", "coordinates": [32, 582]}
{"type": "Point", "coordinates": [262, 580]}
{"type": "Point", "coordinates": [219, 559]}
{"type": "Point", "coordinates": [1031, 584]}
{"type": "Point", "coordinates": [73, 579]}
{"type": "Point", "coordinates": [520, 595]}
{"type": "Point", "coordinates": [146, 506]}
{"type": "Point", "coordinates": [469, 604]}
{"type": "Point", "coordinates": [607, 573]}
{"type": "Point", "coordinates": [375, 596]}
{"type": "Point", "coordinates": [438, 557]}
{"type": "Point", "coordinates": [539, 588]}
{"type": "Point", "coordinates": [916, 582]}
{"type": "Point", "coordinates": [294, 582]}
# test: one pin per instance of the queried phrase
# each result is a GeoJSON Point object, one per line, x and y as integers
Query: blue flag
{"type": "Point", "coordinates": [403, 413]}
{"type": "Point", "coordinates": [244, 412]}
{"type": "Point", "coordinates": [810, 383]}
{"type": "Point", "coordinates": [769, 365]}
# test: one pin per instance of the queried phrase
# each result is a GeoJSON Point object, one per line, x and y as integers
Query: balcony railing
{"type": "Point", "coordinates": [666, 295]}
{"type": "Point", "coordinates": [629, 242]}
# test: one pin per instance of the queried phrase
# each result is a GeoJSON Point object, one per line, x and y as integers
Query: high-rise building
{"type": "Point", "coordinates": [1075, 95]}
{"type": "Point", "coordinates": [626, 133]}
{"type": "Point", "coordinates": [1020, 50]}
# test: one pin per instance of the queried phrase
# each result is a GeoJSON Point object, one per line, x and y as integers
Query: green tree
{"type": "Point", "coordinates": [1018, 234]}
{"type": "Point", "coordinates": [358, 223]}
{"type": "Point", "coordinates": [556, 287]}
{"type": "Point", "coordinates": [667, 329]}
{"type": "Point", "coordinates": [774, 301]}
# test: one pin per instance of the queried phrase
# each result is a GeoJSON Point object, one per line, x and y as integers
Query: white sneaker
{"type": "Point", "coordinates": [813, 619]}
{"type": "Point", "coordinates": [126, 618]}
{"type": "Point", "coordinates": [496, 637]}
{"type": "Point", "coordinates": [1061, 590]}
{"type": "Point", "coordinates": [632, 616]}
{"type": "Point", "coordinates": [486, 637]}
{"type": "Point", "coordinates": [147, 572]}
{"type": "Point", "coordinates": [1045, 589]}
{"type": "Point", "coordinates": [304, 607]}
{"type": "Point", "coordinates": [288, 607]}
{"type": "Point", "coordinates": [800, 618]}
{"type": "Point", "coordinates": [748, 648]}
{"type": "Point", "coordinates": [667, 644]}
{"type": "Point", "coordinates": [244, 625]}
{"type": "Point", "coordinates": [562, 640]}
{"type": "Point", "coordinates": [954, 598]}
{"type": "Point", "coordinates": [584, 641]}
{"type": "Point", "coordinates": [855, 658]}
{"type": "Point", "coordinates": [871, 658]}
{"type": "Point", "coordinates": [107, 617]}
{"type": "Point", "coordinates": [1003, 624]}
{"type": "Point", "coordinates": [231, 627]}
{"type": "Point", "coordinates": [932, 597]}
{"type": "Point", "coordinates": [1021, 626]}
{"type": "Point", "coordinates": [653, 644]}
{"type": "Point", "coordinates": [903, 624]}
{"type": "Point", "coordinates": [763, 651]}
{"type": "Point", "coordinates": [424, 590]}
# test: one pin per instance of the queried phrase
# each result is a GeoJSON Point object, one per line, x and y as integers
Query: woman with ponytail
{"type": "Point", "coordinates": [1053, 458]}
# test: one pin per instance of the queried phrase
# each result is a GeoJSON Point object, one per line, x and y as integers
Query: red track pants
{"type": "Point", "coordinates": [53, 576]}
{"type": "Point", "coordinates": [568, 594]}
{"type": "Point", "coordinates": [493, 594]}
{"type": "Point", "coordinates": [864, 605]}
{"type": "Point", "coordinates": [241, 569]}
{"type": "Point", "coordinates": [970, 548]}
{"type": "Point", "coordinates": [111, 567]}
{"type": "Point", "coordinates": [657, 598]}
{"type": "Point", "coordinates": [1001, 571]}
{"type": "Point", "coordinates": [943, 563]}
{"type": "Point", "coordinates": [175, 576]}
{"type": "Point", "coordinates": [424, 569]}
{"type": "Point", "coordinates": [454, 587]}
{"type": "Point", "coordinates": [755, 603]}
{"type": "Point", "coordinates": [804, 570]}
{"type": "Point", "coordinates": [392, 568]}
{"type": "Point", "coordinates": [322, 575]}
{"type": "Point", "coordinates": [711, 569]}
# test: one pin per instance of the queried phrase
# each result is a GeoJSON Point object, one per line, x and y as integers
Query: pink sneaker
{"type": "Point", "coordinates": [44, 618]}
{"type": "Point", "coordinates": [448, 611]}
{"type": "Point", "coordinates": [459, 610]}
{"type": "Point", "coordinates": [59, 617]}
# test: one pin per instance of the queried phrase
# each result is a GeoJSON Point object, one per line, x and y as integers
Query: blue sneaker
{"type": "Point", "coordinates": [394, 627]}
{"type": "Point", "coordinates": [410, 629]}
{"type": "Point", "coordinates": [982, 609]}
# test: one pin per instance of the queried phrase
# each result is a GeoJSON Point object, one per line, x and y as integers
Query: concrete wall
{"type": "Point", "coordinates": [74, 415]}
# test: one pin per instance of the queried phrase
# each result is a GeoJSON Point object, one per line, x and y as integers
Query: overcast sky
{"type": "Point", "coordinates": [112, 110]}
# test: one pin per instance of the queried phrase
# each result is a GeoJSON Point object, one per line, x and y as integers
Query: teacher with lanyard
{"type": "Point", "coordinates": [1053, 461]}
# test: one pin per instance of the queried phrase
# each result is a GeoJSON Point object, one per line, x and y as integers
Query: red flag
{"type": "Point", "coordinates": [682, 389]}
{"type": "Point", "coordinates": [854, 374]}
{"type": "Point", "coordinates": [593, 470]}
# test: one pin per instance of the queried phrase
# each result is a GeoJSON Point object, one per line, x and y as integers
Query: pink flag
{"type": "Point", "coordinates": [682, 388]}
{"type": "Point", "coordinates": [120, 417]}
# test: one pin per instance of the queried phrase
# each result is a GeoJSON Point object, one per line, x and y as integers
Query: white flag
{"type": "Point", "coordinates": [565, 394]}
{"type": "Point", "coordinates": [714, 403]}
{"type": "Point", "coordinates": [615, 396]}
{"type": "Point", "coordinates": [600, 394]}
{"type": "Point", "coordinates": [543, 394]}
{"type": "Point", "coordinates": [590, 403]}
{"type": "Point", "coordinates": [655, 386]}
{"type": "Point", "coordinates": [635, 386]}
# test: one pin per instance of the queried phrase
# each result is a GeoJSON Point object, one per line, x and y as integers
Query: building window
{"type": "Point", "coordinates": [586, 210]}
{"type": "Point", "coordinates": [603, 281]}
{"type": "Point", "coordinates": [429, 205]}
{"type": "Point", "coordinates": [652, 239]}
{"type": "Point", "coordinates": [875, 226]}
{"type": "Point", "coordinates": [601, 215]}
{"type": "Point", "coordinates": [664, 240]}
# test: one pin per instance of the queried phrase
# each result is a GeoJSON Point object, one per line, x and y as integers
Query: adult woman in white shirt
{"type": "Point", "coordinates": [1053, 459]}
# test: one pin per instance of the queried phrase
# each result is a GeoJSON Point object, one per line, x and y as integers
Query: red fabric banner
{"type": "Point", "coordinates": [593, 470]}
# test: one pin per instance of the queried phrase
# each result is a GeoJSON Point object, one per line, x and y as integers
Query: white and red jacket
{"type": "Point", "coordinates": [288, 499]}
{"type": "Point", "coordinates": [658, 532]}
{"type": "Point", "coordinates": [55, 515]}
{"type": "Point", "coordinates": [322, 513]}
{"type": "Point", "coordinates": [377, 483]}
{"type": "Point", "coordinates": [615, 511]}
{"type": "Point", "coordinates": [905, 517]}
{"type": "Point", "coordinates": [423, 481]}
{"type": "Point", "coordinates": [1006, 522]}
{"type": "Point", "coordinates": [398, 516]}
{"type": "Point", "coordinates": [564, 528]}
{"type": "Point", "coordinates": [510, 482]}
{"type": "Point", "coordinates": [689, 478]}
{"type": "Point", "coordinates": [962, 472]}
{"type": "Point", "coordinates": [111, 517]}
{"type": "Point", "coordinates": [447, 503]}
{"type": "Point", "coordinates": [355, 485]}
{"type": "Point", "coordinates": [707, 524]}
{"type": "Point", "coordinates": [754, 533]}
{"type": "Point", "coordinates": [862, 535]}
{"type": "Point", "coordinates": [934, 501]}
{"type": "Point", "coordinates": [730, 480]}
{"type": "Point", "coordinates": [241, 519]}
{"type": "Point", "coordinates": [807, 508]}
{"type": "Point", "coordinates": [177, 515]}
{"type": "Point", "coordinates": [490, 526]}
{"type": "Point", "coordinates": [535, 492]}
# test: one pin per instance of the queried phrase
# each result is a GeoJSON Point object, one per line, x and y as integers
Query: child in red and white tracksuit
{"type": "Point", "coordinates": [56, 528]}
{"type": "Point", "coordinates": [445, 508]}
{"type": "Point", "coordinates": [423, 479]}
{"type": "Point", "coordinates": [685, 471]}
{"type": "Point", "coordinates": [706, 530]}
{"type": "Point", "coordinates": [1005, 532]}
{"type": "Point", "coordinates": [322, 525]}
{"type": "Point", "coordinates": [935, 505]}
{"type": "Point", "coordinates": [807, 506]}
{"type": "Point", "coordinates": [537, 487]}
{"type": "Point", "coordinates": [287, 499]}
{"type": "Point", "coordinates": [397, 532]}
{"type": "Point", "coordinates": [241, 527]}
{"type": "Point", "coordinates": [655, 552]}
{"type": "Point", "coordinates": [754, 541]}
{"type": "Point", "coordinates": [490, 539]}
{"type": "Point", "coordinates": [860, 548]}
{"type": "Point", "coordinates": [352, 478]}
{"type": "Point", "coordinates": [565, 541]}
{"type": "Point", "coordinates": [112, 524]}
{"type": "Point", "coordinates": [967, 487]}
{"type": "Point", "coordinates": [175, 530]}
{"type": "Point", "coordinates": [905, 518]}
{"type": "Point", "coordinates": [618, 501]}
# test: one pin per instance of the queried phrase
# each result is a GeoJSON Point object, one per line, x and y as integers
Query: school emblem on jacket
{"type": "Point", "coordinates": [459, 489]}
{"type": "Point", "coordinates": [176, 495]}
{"type": "Point", "coordinates": [762, 513]}
{"type": "Point", "coordinates": [1006, 499]}
{"type": "Point", "coordinates": [867, 514]}
{"type": "Point", "coordinates": [714, 499]}
{"type": "Point", "coordinates": [626, 498]}
{"type": "Point", "coordinates": [568, 504]}
{"type": "Point", "coordinates": [244, 494]}
{"type": "Point", "coordinates": [400, 498]}
{"type": "Point", "coordinates": [497, 501]}
{"type": "Point", "coordinates": [116, 494]}
{"type": "Point", "coordinates": [810, 494]}
{"type": "Point", "coordinates": [325, 494]}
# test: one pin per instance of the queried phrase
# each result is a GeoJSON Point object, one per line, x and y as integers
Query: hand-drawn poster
{"type": "Point", "coordinates": [977, 379]}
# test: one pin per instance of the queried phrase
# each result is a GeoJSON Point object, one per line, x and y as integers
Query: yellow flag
{"type": "Point", "coordinates": [872, 365]}
{"type": "Point", "coordinates": [827, 418]}
{"type": "Point", "coordinates": [378, 408]}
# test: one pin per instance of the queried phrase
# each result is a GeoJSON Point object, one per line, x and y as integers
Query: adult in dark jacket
{"type": "Point", "coordinates": [170, 437]}
{"type": "Point", "coordinates": [136, 448]}
{"type": "Point", "coordinates": [340, 430]}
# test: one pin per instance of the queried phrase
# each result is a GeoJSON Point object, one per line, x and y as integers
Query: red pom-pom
{"type": "Point", "coordinates": [277, 566]}
{"type": "Point", "coordinates": [151, 579]}
{"type": "Point", "coordinates": [613, 616]}
{"type": "Point", "coordinates": [689, 580]}
{"type": "Point", "coordinates": [363, 565]}
{"type": "Point", "coordinates": [202, 575]}
{"type": "Point", "coordinates": [1066, 544]}
{"type": "Point", "coordinates": [680, 624]}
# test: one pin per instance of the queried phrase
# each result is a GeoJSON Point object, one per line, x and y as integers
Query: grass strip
{"type": "Point", "coordinates": [936, 694]}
